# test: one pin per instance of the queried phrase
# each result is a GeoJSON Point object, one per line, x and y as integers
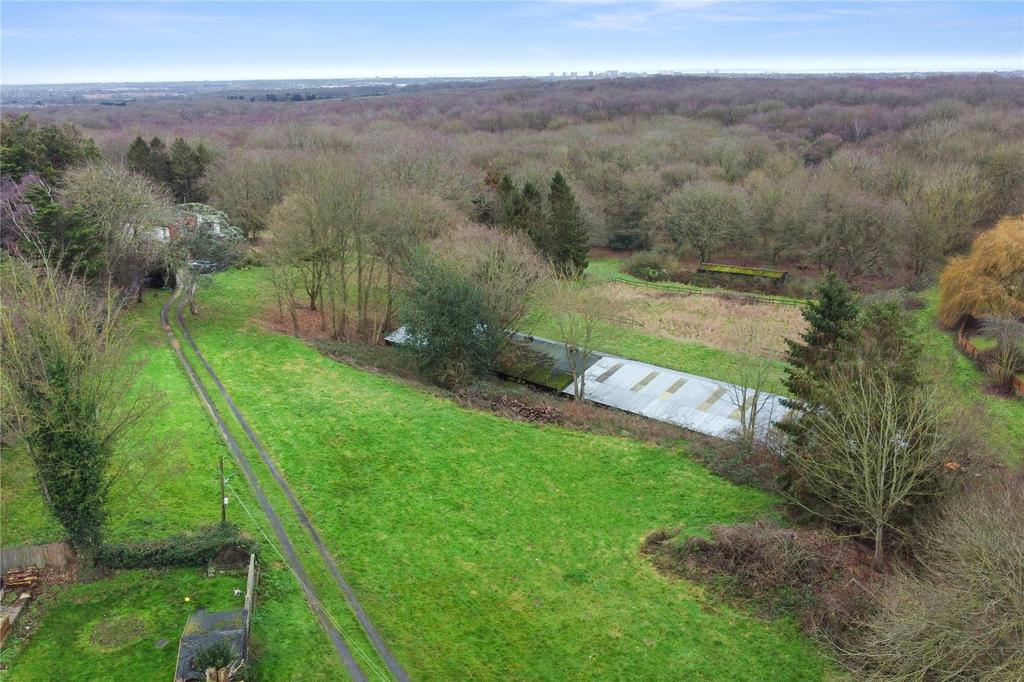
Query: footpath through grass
{"type": "Point", "coordinates": [485, 548]}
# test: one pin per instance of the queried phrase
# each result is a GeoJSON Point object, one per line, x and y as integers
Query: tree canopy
{"type": "Point", "coordinates": [988, 281]}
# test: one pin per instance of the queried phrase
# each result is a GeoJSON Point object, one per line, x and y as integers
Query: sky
{"type": "Point", "coordinates": [78, 42]}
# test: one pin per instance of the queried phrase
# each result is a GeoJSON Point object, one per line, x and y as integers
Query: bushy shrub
{"type": "Point", "coordinates": [218, 655]}
{"type": "Point", "coordinates": [196, 548]}
{"type": "Point", "coordinates": [806, 573]}
{"type": "Point", "coordinates": [631, 240]}
{"type": "Point", "coordinates": [757, 465]}
{"type": "Point", "coordinates": [1004, 361]}
{"type": "Point", "coordinates": [453, 334]}
{"type": "Point", "coordinates": [650, 266]}
{"type": "Point", "coordinates": [961, 614]}
{"type": "Point", "coordinates": [765, 556]}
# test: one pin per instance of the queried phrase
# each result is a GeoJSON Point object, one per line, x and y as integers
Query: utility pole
{"type": "Point", "coordinates": [223, 499]}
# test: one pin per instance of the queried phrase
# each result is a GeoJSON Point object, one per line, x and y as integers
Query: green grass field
{"type": "Point", "coordinates": [109, 629]}
{"type": "Point", "coordinates": [179, 491]}
{"type": "Point", "coordinates": [482, 548]}
{"type": "Point", "coordinates": [959, 373]}
{"type": "Point", "coordinates": [485, 548]}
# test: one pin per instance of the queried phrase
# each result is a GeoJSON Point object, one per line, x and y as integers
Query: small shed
{"type": "Point", "coordinates": [206, 628]}
{"type": "Point", "coordinates": [203, 630]}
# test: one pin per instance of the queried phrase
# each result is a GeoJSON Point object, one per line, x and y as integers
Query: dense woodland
{"type": "Point", "coordinates": [876, 177]}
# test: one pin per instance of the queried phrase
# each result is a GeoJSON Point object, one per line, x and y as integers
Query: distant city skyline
{"type": "Point", "coordinates": [87, 42]}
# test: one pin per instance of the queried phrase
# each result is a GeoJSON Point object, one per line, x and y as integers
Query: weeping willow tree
{"type": "Point", "coordinates": [988, 281]}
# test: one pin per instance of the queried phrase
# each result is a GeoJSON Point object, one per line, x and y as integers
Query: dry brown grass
{"type": "Point", "coordinates": [709, 320]}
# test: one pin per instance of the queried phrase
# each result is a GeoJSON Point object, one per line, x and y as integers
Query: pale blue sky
{"type": "Point", "coordinates": [53, 42]}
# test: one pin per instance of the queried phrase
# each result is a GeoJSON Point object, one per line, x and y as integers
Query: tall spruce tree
{"type": "Point", "coordinates": [888, 344]}
{"type": "Point", "coordinates": [138, 157]}
{"type": "Point", "coordinates": [567, 234]}
{"type": "Point", "coordinates": [150, 159]}
{"type": "Point", "coordinates": [159, 161]}
{"type": "Point", "coordinates": [832, 328]}
{"type": "Point", "coordinates": [529, 215]}
{"type": "Point", "coordinates": [508, 198]}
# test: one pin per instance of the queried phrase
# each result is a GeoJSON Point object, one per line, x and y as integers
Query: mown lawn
{"type": "Point", "coordinates": [490, 549]}
{"type": "Point", "coordinates": [177, 489]}
{"type": "Point", "coordinates": [109, 629]}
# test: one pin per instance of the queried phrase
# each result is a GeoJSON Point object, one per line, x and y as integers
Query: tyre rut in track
{"type": "Point", "coordinates": [357, 609]}
{"type": "Point", "coordinates": [275, 521]}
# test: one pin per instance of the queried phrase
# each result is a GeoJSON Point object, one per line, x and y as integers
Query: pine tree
{"type": "Point", "coordinates": [187, 167]}
{"type": "Point", "coordinates": [566, 234]}
{"type": "Point", "coordinates": [138, 157]}
{"type": "Point", "coordinates": [529, 215]}
{"type": "Point", "coordinates": [159, 162]}
{"type": "Point", "coordinates": [832, 327]}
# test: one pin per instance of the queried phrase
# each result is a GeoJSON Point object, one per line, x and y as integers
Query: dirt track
{"type": "Point", "coordinates": [364, 621]}
{"type": "Point", "coordinates": [290, 555]}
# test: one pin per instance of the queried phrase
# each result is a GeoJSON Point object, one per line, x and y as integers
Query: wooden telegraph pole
{"type": "Point", "coordinates": [223, 499]}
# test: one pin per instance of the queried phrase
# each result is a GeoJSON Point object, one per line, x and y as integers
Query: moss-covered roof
{"type": "Point", "coordinates": [742, 270]}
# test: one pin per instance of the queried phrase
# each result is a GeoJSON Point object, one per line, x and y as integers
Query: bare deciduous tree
{"type": "Point", "coordinates": [873, 451]}
{"type": "Point", "coordinates": [133, 214]}
{"type": "Point", "coordinates": [505, 266]}
{"type": "Point", "coordinates": [580, 316]}
{"type": "Point", "coordinates": [752, 394]}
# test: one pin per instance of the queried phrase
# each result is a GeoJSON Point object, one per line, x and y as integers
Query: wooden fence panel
{"type": "Point", "coordinates": [57, 554]}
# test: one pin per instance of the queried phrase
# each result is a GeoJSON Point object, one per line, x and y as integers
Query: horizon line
{"type": "Point", "coordinates": [563, 76]}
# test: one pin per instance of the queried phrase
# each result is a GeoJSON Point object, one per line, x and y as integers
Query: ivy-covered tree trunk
{"type": "Point", "coordinates": [69, 389]}
{"type": "Point", "coordinates": [69, 452]}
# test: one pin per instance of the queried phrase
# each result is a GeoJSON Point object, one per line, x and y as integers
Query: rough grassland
{"type": "Point", "coordinates": [490, 549]}
{"type": "Point", "coordinates": [720, 323]}
{"type": "Point", "coordinates": [690, 333]}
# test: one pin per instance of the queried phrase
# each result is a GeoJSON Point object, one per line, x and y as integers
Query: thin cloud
{"type": "Point", "coordinates": [639, 16]}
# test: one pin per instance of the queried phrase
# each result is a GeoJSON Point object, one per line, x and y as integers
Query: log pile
{"type": "Point", "coordinates": [23, 578]}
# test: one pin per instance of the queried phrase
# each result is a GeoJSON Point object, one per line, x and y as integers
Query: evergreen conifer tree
{"type": "Point", "coordinates": [529, 217]}
{"type": "Point", "coordinates": [159, 162]}
{"type": "Point", "coordinates": [566, 233]}
{"type": "Point", "coordinates": [508, 198]}
{"type": "Point", "coordinates": [832, 327]}
{"type": "Point", "coordinates": [138, 157]}
{"type": "Point", "coordinates": [187, 166]}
